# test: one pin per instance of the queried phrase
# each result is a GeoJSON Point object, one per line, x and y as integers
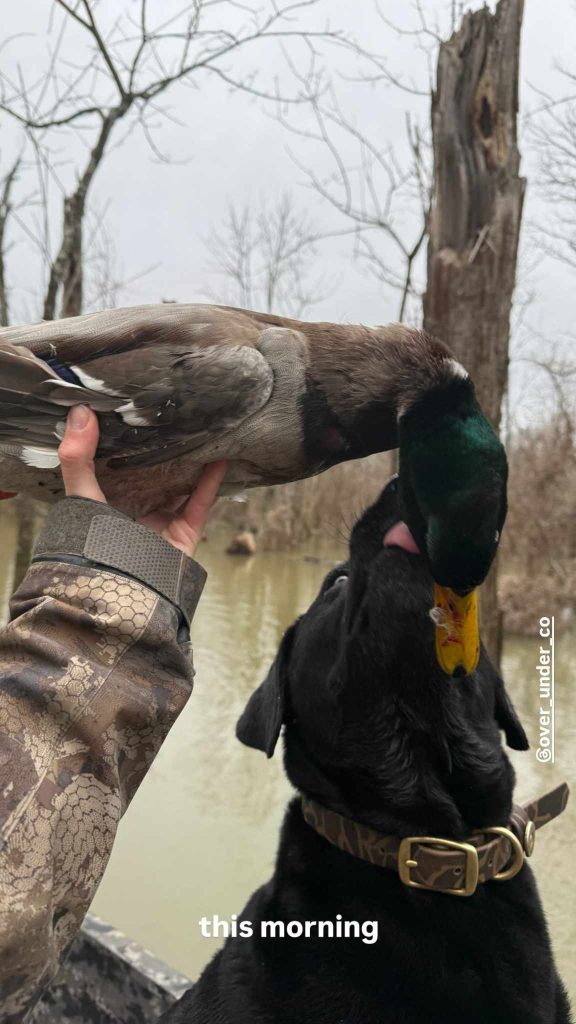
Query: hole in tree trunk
{"type": "Point", "coordinates": [486, 121]}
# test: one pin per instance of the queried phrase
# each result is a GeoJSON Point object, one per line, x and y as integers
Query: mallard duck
{"type": "Point", "coordinates": [176, 386]}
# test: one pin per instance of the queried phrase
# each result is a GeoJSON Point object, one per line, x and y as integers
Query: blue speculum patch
{"type": "Point", "coordinates": [63, 371]}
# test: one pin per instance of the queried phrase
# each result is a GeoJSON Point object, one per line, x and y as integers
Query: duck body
{"type": "Point", "coordinates": [177, 386]}
{"type": "Point", "coordinates": [187, 384]}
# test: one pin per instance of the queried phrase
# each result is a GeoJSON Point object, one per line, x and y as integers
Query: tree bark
{"type": "Point", "coordinates": [73, 272]}
{"type": "Point", "coordinates": [25, 507]}
{"type": "Point", "coordinates": [5, 211]}
{"type": "Point", "coordinates": [476, 215]}
{"type": "Point", "coordinates": [67, 271]}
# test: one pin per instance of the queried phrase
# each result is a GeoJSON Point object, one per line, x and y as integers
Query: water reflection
{"type": "Point", "coordinates": [201, 834]}
{"type": "Point", "coordinates": [243, 613]}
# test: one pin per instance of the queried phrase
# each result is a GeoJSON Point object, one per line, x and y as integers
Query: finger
{"type": "Point", "coordinates": [172, 508]}
{"type": "Point", "coordinates": [185, 529]}
{"type": "Point", "coordinates": [197, 508]}
{"type": "Point", "coordinates": [162, 517]}
{"type": "Point", "coordinates": [76, 454]}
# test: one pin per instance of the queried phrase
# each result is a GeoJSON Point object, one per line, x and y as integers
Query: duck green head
{"type": "Point", "coordinates": [452, 481]}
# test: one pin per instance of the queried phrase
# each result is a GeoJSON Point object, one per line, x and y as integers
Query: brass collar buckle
{"type": "Point", "coordinates": [406, 862]}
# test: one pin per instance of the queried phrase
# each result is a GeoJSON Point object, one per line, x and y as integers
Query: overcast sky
{"type": "Point", "coordinates": [159, 215]}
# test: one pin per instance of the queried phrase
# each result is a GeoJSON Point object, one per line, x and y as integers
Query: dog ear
{"type": "Point", "coordinates": [260, 723]}
{"type": "Point", "coordinates": [507, 719]}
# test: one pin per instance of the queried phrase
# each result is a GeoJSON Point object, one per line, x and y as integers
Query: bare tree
{"type": "Point", "coordinates": [266, 259]}
{"type": "Point", "coordinates": [26, 508]}
{"type": "Point", "coordinates": [6, 186]}
{"type": "Point", "coordinates": [384, 200]}
{"type": "Point", "coordinates": [382, 192]}
{"type": "Point", "coordinates": [552, 130]}
{"type": "Point", "coordinates": [131, 63]}
{"type": "Point", "coordinates": [540, 550]}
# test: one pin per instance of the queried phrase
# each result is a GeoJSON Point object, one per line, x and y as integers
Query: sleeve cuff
{"type": "Point", "coordinates": [98, 534]}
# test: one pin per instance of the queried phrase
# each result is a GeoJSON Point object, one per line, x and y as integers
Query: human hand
{"type": "Point", "coordinates": [181, 524]}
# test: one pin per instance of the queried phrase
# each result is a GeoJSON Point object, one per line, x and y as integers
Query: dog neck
{"type": "Point", "coordinates": [452, 797]}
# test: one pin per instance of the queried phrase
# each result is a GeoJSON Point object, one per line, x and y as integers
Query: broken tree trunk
{"type": "Point", "coordinates": [476, 214]}
{"type": "Point", "coordinates": [25, 507]}
{"type": "Point", "coordinates": [5, 211]}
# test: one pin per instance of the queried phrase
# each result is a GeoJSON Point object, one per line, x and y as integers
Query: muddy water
{"type": "Point", "coordinates": [201, 833]}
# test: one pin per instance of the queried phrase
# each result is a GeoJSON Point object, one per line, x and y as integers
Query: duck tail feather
{"type": "Point", "coordinates": [34, 400]}
{"type": "Point", "coordinates": [21, 370]}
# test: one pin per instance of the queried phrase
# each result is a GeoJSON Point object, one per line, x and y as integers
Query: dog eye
{"type": "Point", "coordinates": [334, 579]}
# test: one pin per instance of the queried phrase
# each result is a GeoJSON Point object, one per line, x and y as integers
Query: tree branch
{"type": "Point", "coordinates": [123, 58]}
{"type": "Point", "coordinates": [93, 28]}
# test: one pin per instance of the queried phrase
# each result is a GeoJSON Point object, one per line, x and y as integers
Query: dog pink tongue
{"type": "Point", "coordinates": [399, 536]}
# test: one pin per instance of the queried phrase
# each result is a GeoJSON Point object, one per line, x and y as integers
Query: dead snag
{"type": "Point", "coordinates": [476, 212]}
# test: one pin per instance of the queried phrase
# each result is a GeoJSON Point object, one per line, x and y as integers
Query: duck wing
{"type": "Point", "coordinates": [162, 378]}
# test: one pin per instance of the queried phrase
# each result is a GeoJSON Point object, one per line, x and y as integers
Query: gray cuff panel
{"type": "Point", "coordinates": [104, 536]}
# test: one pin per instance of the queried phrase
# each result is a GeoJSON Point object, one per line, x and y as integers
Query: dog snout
{"type": "Point", "coordinates": [370, 530]}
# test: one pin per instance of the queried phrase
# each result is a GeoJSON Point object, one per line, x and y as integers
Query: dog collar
{"type": "Point", "coordinates": [438, 864]}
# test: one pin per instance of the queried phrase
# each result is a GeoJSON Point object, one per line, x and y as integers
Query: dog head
{"type": "Point", "coordinates": [374, 728]}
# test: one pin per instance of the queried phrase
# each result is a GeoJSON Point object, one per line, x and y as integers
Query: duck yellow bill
{"type": "Point", "coordinates": [457, 635]}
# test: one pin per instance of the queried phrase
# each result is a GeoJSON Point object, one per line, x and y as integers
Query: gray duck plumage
{"type": "Point", "coordinates": [176, 386]}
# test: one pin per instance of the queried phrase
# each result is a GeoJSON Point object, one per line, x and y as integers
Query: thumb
{"type": "Point", "coordinates": [76, 454]}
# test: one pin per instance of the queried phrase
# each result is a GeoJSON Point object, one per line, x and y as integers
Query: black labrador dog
{"type": "Point", "coordinates": [376, 732]}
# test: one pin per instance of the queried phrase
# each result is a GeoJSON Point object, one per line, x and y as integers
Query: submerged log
{"type": "Point", "coordinates": [476, 213]}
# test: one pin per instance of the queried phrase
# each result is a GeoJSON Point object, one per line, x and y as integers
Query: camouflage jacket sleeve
{"type": "Point", "coordinates": [94, 669]}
